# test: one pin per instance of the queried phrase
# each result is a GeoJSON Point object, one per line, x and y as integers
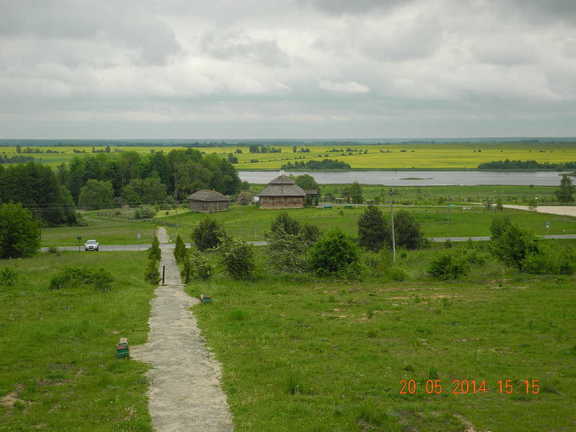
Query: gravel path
{"type": "Point", "coordinates": [184, 393]}
{"type": "Point", "coordinates": [556, 210]}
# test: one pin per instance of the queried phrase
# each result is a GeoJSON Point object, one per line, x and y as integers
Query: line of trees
{"type": "Point", "coordinates": [527, 165]}
{"type": "Point", "coordinates": [317, 165]}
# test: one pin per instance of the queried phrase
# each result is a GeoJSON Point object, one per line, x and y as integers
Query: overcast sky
{"type": "Point", "coordinates": [287, 68]}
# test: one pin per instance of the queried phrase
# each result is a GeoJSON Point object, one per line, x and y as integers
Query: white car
{"type": "Point", "coordinates": [91, 245]}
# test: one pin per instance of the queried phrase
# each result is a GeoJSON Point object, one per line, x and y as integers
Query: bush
{"type": "Point", "coordinates": [407, 231]}
{"type": "Point", "coordinates": [396, 274]}
{"type": "Point", "coordinates": [209, 234]}
{"type": "Point", "coordinates": [19, 232]}
{"type": "Point", "coordinates": [196, 267]}
{"type": "Point", "coordinates": [548, 260]}
{"type": "Point", "coordinates": [499, 225]}
{"type": "Point", "coordinates": [144, 213]}
{"type": "Point", "coordinates": [287, 252]}
{"type": "Point", "coordinates": [373, 230]}
{"type": "Point", "coordinates": [99, 279]}
{"type": "Point", "coordinates": [513, 245]}
{"type": "Point", "coordinates": [238, 259]}
{"type": "Point", "coordinates": [285, 224]}
{"type": "Point", "coordinates": [448, 266]}
{"type": "Point", "coordinates": [151, 273]}
{"type": "Point", "coordinates": [8, 276]}
{"type": "Point", "coordinates": [154, 252]}
{"type": "Point", "coordinates": [180, 251]}
{"type": "Point", "coordinates": [335, 254]}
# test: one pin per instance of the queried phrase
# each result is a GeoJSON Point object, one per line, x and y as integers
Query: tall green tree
{"type": "Point", "coordinates": [407, 231]}
{"type": "Point", "coordinates": [355, 193]}
{"type": "Point", "coordinates": [209, 234]}
{"type": "Point", "coordinates": [96, 195]}
{"type": "Point", "coordinates": [335, 254]}
{"type": "Point", "coordinates": [373, 230]}
{"type": "Point", "coordinates": [145, 191]}
{"type": "Point", "coordinates": [19, 232]}
{"type": "Point", "coordinates": [566, 192]}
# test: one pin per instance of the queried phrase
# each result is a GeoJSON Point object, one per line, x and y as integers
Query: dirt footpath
{"type": "Point", "coordinates": [556, 210]}
{"type": "Point", "coordinates": [184, 393]}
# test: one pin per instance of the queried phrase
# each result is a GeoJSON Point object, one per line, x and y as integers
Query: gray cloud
{"type": "Point", "coordinates": [355, 6]}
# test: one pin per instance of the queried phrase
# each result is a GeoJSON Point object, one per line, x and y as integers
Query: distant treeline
{"type": "Point", "coordinates": [317, 165]}
{"type": "Point", "coordinates": [104, 180]}
{"type": "Point", "coordinates": [38, 189]}
{"type": "Point", "coordinates": [5, 159]}
{"type": "Point", "coordinates": [527, 165]}
{"type": "Point", "coordinates": [182, 172]}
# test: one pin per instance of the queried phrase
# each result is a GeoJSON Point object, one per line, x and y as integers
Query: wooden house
{"type": "Point", "coordinates": [208, 201]}
{"type": "Point", "coordinates": [282, 193]}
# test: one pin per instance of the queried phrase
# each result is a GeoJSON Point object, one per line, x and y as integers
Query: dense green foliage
{"type": "Point", "coordinates": [154, 252]}
{"type": "Point", "coordinates": [317, 165]}
{"type": "Point", "coordinates": [354, 194]}
{"type": "Point", "coordinates": [208, 234]}
{"type": "Point", "coordinates": [373, 230]}
{"type": "Point", "coordinates": [527, 164]}
{"type": "Point", "coordinates": [144, 191]}
{"type": "Point", "coordinates": [19, 232]}
{"type": "Point", "coordinates": [283, 223]}
{"type": "Point", "coordinates": [448, 266]}
{"type": "Point", "coordinates": [513, 245]}
{"type": "Point", "coordinates": [237, 258]}
{"type": "Point", "coordinates": [8, 276]}
{"type": "Point", "coordinates": [566, 192]}
{"type": "Point", "coordinates": [151, 272]}
{"type": "Point", "coordinates": [335, 254]}
{"type": "Point", "coordinates": [75, 277]}
{"type": "Point", "coordinates": [37, 188]}
{"type": "Point", "coordinates": [407, 231]}
{"type": "Point", "coordinates": [196, 266]}
{"type": "Point", "coordinates": [180, 251]}
{"type": "Point", "coordinates": [96, 195]}
{"type": "Point", "coordinates": [4, 159]}
{"type": "Point", "coordinates": [181, 172]}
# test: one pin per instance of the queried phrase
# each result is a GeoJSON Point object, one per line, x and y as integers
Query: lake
{"type": "Point", "coordinates": [417, 178]}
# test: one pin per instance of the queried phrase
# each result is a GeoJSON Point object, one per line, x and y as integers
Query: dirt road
{"type": "Point", "coordinates": [184, 393]}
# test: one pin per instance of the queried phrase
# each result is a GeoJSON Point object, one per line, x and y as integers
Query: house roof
{"type": "Point", "coordinates": [282, 186]}
{"type": "Point", "coordinates": [207, 195]}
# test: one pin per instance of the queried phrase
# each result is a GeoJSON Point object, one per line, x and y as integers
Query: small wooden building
{"type": "Point", "coordinates": [208, 201]}
{"type": "Point", "coordinates": [282, 193]}
{"type": "Point", "coordinates": [312, 197]}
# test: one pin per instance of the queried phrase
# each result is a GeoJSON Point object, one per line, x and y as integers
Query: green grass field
{"type": "Point", "coordinates": [409, 155]}
{"type": "Point", "coordinates": [250, 223]}
{"type": "Point", "coordinates": [104, 226]}
{"type": "Point", "coordinates": [57, 362]}
{"type": "Point", "coordinates": [305, 355]}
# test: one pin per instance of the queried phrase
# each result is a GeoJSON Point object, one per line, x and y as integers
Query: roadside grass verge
{"type": "Point", "coordinates": [300, 354]}
{"type": "Point", "coordinates": [58, 370]}
{"type": "Point", "coordinates": [251, 223]}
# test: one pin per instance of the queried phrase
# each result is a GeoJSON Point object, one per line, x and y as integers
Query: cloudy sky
{"type": "Point", "coordinates": [287, 68]}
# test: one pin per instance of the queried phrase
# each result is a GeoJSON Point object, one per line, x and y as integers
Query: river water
{"type": "Point", "coordinates": [417, 178]}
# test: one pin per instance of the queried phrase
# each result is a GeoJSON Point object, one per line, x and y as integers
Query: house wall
{"type": "Point", "coordinates": [208, 206]}
{"type": "Point", "coordinates": [281, 202]}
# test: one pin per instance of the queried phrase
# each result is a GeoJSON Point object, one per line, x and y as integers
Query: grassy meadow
{"type": "Point", "coordinates": [58, 370]}
{"type": "Point", "coordinates": [300, 354]}
{"type": "Point", "coordinates": [383, 156]}
{"type": "Point", "coordinates": [107, 226]}
{"type": "Point", "coordinates": [251, 223]}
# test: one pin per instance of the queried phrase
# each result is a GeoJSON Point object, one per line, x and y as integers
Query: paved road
{"type": "Point", "coordinates": [141, 247]}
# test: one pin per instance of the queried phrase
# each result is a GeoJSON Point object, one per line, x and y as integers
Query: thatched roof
{"type": "Point", "coordinates": [207, 195]}
{"type": "Point", "coordinates": [282, 186]}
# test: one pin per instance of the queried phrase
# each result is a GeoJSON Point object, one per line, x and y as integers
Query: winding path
{"type": "Point", "coordinates": [184, 390]}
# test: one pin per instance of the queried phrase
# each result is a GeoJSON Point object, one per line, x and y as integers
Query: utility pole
{"type": "Point", "coordinates": [392, 224]}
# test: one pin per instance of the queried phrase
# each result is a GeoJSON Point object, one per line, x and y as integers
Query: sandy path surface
{"type": "Point", "coordinates": [556, 210]}
{"type": "Point", "coordinates": [184, 393]}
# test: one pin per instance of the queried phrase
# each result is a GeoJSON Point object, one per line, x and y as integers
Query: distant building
{"type": "Point", "coordinates": [312, 197]}
{"type": "Point", "coordinates": [208, 201]}
{"type": "Point", "coordinates": [282, 193]}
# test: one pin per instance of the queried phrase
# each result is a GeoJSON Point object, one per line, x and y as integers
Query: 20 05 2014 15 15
{"type": "Point", "coordinates": [469, 386]}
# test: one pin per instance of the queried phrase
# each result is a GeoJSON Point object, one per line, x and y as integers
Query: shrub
{"type": "Point", "coordinates": [53, 250]}
{"type": "Point", "coordinates": [180, 251]}
{"type": "Point", "coordinates": [373, 230]}
{"type": "Point", "coordinates": [144, 213]}
{"type": "Point", "coordinates": [209, 234]}
{"type": "Point", "coordinates": [396, 274]}
{"type": "Point", "coordinates": [285, 224]}
{"type": "Point", "coordinates": [151, 273]}
{"type": "Point", "coordinates": [335, 254]}
{"type": "Point", "coordinates": [154, 252]}
{"type": "Point", "coordinates": [287, 252]}
{"type": "Point", "coordinates": [548, 260]}
{"type": "Point", "coordinates": [513, 245]}
{"type": "Point", "coordinates": [407, 231]}
{"type": "Point", "coordinates": [196, 267]}
{"type": "Point", "coordinates": [99, 279]}
{"type": "Point", "coordinates": [8, 276]}
{"type": "Point", "coordinates": [309, 233]}
{"type": "Point", "coordinates": [19, 232]}
{"type": "Point", "coordinates": [499, 225]}
{"type": "Point", "coordinates": [238, 259]}
{"type": "Point", "coordinates": [448, 266]}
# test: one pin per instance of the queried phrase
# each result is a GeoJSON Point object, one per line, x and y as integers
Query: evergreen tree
{"type": "Point", "coordinates": [208, 234]}
{"type": "Point", "coordinates": [407, 231]}
{"type": "Point", "coordinates": [355, 193]}
{"type": "Point", "coordinates": [286, 224]}
{"type": "Point", "coordinates": [180, 252]}
{"type": "Point", "coordinates": [373, 231]}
